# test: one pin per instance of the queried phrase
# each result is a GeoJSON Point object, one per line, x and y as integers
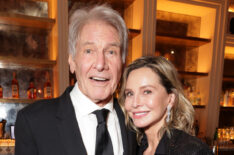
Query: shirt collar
{"type": "Point", "coordinates": [83, 105]}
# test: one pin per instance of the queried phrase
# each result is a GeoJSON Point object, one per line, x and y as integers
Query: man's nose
{"type": "Point", "coordinates": [100, 63]}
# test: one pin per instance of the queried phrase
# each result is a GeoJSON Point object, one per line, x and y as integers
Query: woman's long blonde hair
{"type": "Point", "coordinates": [182, 113]}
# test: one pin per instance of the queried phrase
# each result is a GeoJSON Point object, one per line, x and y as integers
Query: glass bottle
{"type": "Point", "coordinates": [191, 95]}
{"type": "Point", "coordinates": [221, 99]}
{"type": "Point", "coordinates": [232, 97]}
{"type": "Point", "coordinates": [47, 87]}
{"type": "Point", "coordinates": [31, 91]}
{"type": "Point", "coordinates": [15, 86]}
{"type": "Point", "coordinates": [227, 98]}
{"type": "Point", "coordinates": [186, 88]}
{"type": "Point", "coordinates": [1, 92]}
{"type": "Point", "coordinates": [215, 142]}
{"type": "Point", "coordinates": [2, 128]}
{"type": "Point", "coordinates": [198, 98]}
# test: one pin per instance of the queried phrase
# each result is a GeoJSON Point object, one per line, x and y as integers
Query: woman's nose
{"type": "Point", "coordinates": [136, 101]}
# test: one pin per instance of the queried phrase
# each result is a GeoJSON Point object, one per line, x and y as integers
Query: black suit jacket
{"type": "Point", "coordinates": [49, 127]}
{"type": "Point", "coordinates": [180, 143]}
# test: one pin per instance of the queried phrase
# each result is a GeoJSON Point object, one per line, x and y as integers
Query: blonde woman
{"type": "Point", "coordinates": [157, 109]}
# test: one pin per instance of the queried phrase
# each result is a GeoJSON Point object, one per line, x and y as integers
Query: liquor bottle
{"type": "Point", "coordinates": [15, 86]}
{"type": "Point", "coordinates": [232, 97]}
{"type": "Point", "coordinates": [221, 99]}
{"type": "Point", "coordinates": [186, 88]}
{"type": "Point", "coordinates": [47, 87]}
{"type": "Point", "coordinates": [1, 91]}
{"type": "Point", "coordinates": [215, 142]}
{"type": "Point", "coordinates": [31, 91]}
{"type": "Point", "coordinates": [191, 95]}
{"type": "Point", "coordinates": [198, 98]}
{"type": "Point", "coordinates": [226, 98]}
{"type": "Point", "coordinates": [2, 128]}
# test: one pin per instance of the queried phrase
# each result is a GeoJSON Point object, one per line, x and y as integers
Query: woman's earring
{"type": "Point", "coordinates": [168, 113]}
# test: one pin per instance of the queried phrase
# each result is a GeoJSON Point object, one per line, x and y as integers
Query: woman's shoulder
{"type": "Point", "coordinates": [183, 142]}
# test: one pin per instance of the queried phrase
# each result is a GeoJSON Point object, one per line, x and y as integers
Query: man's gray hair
{"type": "Point", "coordinates": [104, 13]}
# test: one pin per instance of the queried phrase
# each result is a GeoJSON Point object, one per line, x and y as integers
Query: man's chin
{"type": "Point", "coordinates": [102, 100]}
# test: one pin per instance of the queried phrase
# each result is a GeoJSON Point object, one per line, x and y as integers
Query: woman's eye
{"type": "Point", "coordinates": [128, 94]}
{"type": "Point", "coordinates": [147, 91]}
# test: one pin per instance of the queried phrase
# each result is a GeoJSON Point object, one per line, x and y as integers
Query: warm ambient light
{"type": "Point", "coordinates": [7, 142]}
{"type": "Point", "coordinates": [207, 14]}
{"type": "Point", "coordinates": [231, 8]}
{"type": "Point", "coordinates": [183, 8]}
{"type": "Point", "coordinates": [1, 65]}
{"type": "Point", "coordinates": [229, 52]}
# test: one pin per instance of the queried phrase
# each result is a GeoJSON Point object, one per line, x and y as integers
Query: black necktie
{"type": "Point", "coordinates": [103, 140]}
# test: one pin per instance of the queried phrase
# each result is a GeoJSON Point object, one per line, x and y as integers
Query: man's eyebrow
{"type": "Point", "coordinates": [88, 43]}
{"type": "Point", "coordinates": [114, 44]}
{"type": "Point", "coordinates": [111, 44]}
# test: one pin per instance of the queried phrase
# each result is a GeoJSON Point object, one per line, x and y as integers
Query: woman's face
{"type": "Point", "coordinates": [146, 99]}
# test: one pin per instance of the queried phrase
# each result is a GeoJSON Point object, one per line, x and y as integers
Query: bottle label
{"type": "Point", "coordinates": [0, 92]}
{"type": "Point", "coordinates": [31, 93]}
{"type": "Point", "coordinates": [15, 91]}
{"type": "Point", "coordinates": [47, 92]}
{"type": "Point", "coordinates": [198, 100]}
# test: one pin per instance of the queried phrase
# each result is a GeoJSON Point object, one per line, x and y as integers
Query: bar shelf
{"type": "Point", "coordinates": [18, 100]}
{"type": "Point", "coordinates": [227, 108]}
{"type": "Point", "coordinates": [116, 4]}
{"type": "Point", "coordinates": [229, 40]}
{"type": "Point", "coordinates": [13, 63]}
{"type": "Point", "coordinates": [133, 33]}
{"type": "Point", "coordinates": [26, 21]}
{"type": "Point", "coordinates": [191, 75]}
{"type": "Point", "coordinates": [181, 40]}
{"type": "Point", "coordinates": [199, 106]}
{"type": "Point", "coordinates": [185, 41]}
{"type": "Point", "coordinates": [227, 78]}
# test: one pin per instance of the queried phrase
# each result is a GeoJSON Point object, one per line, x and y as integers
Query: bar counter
{"type": "Point", "coordinates": [227, 149]}
{"type": "Point", "coordinates": [7, 147]}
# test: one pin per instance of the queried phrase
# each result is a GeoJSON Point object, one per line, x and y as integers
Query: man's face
{"type": "Point", "coordinates": [97, 62]}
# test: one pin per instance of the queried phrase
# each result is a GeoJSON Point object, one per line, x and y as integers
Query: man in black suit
{"type": "Point", "coordinates": [67, 125]}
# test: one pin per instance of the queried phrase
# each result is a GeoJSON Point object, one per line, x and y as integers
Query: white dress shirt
{"type": "Point", "coordinates": [88, 122]}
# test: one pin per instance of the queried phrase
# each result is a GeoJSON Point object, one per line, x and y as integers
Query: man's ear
{"type": "Point", "coordinates": [71, 63]}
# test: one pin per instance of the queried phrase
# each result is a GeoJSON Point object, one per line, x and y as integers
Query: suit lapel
{"type": "Point", "coordinates": [122, 126]}
{"type": "Point", "coordinates": [68, 126]}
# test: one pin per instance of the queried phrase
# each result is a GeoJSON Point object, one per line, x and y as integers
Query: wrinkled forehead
{"type": "Point", "coordinates": [98, 33]}
{"type": "Point", "coordinates": [98, 22]}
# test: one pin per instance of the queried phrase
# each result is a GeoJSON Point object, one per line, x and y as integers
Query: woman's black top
{"type": "Point", "coordinates": [180, 143]}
